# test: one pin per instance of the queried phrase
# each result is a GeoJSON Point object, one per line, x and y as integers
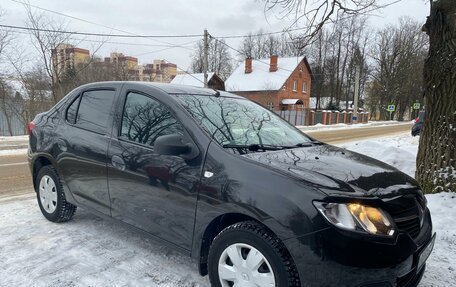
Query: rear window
{"type": "Point", "coordinates": [73, 110]}
{"type": "Point", "coordinates": [94, 110]}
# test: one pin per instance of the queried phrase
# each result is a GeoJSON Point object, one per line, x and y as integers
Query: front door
{"type": "Point", "coordinates": [156, 193]}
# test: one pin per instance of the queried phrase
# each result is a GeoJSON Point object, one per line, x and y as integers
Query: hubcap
{"type": "Point", "coordinates": [48, 194]}
{"type": "Point", "coordinates": [242, 265]}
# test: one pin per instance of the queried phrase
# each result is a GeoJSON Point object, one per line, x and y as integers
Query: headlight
{"type": "Point", "coordinates": [354, 216]}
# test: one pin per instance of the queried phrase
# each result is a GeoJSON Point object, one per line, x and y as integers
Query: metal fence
{"type": "Point", "coordinates": [306, 117]}
{"type": "Point", "coordinates": [16, 125]}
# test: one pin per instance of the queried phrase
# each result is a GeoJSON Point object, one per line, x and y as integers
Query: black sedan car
{"type": "Point", "coordinates": [254, 200]}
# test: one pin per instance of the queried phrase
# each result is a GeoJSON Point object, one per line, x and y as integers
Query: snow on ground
{"type": "Point", "coordinates": [399, 151]}
{"type": "Point", "coordinates": [89, 251]}
{"type": "Point", "coordinates": [13, 151]}
{"type": "Point", "coordinates": [319, 126]}
{"type": "Point", "coordinates": [86, 251]}
{"type": "Point", "coordinates": [441, 265]}
{"type": "Point", "coordinates": [13, 138]}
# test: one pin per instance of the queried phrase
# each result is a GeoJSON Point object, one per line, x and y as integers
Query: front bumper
{"type": "Point", "coordinates": [331, 257]}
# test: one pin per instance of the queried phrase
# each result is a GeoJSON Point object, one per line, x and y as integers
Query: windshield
{"type": "Point", "coordinates": [237, 121]}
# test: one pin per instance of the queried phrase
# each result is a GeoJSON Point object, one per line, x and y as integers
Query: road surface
{"type": "Point", "coordinates": [15, 174]}
{"type": "Point", "coordinates": [340, 135]}
{"type": "Point", "coordinates": [15, 178]}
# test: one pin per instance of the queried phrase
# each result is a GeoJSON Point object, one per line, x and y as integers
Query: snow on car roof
{"type": "Point", "coordinates": [260, 79]}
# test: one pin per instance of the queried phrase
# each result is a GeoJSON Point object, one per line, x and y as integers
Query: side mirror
{"type": "Point", "coordinates": [173, 145]}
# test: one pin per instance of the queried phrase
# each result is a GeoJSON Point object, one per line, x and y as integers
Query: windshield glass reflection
{"type": "Point", "coordinates": [236, 121]}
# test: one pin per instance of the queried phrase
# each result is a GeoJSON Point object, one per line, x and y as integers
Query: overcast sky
{"type": "Point", "coordinates": [220, 17]}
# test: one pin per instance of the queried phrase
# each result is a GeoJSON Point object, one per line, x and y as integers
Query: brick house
{"type": "Point", "coordinates": [276, 83]}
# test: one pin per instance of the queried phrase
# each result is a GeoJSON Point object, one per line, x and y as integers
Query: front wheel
{"type": "Point", "coordinates": [248, 254]}
{"type": "Point", "coordinates": [51, 198]}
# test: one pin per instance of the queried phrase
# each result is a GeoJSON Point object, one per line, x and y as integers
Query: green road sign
{"type": "Point", "coordinates": [391, 108]}
{"type": "Point", "coordinates": [416, 106]}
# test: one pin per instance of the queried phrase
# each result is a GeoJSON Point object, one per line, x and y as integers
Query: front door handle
{"type": "Point", "coordinates": [118, 162]}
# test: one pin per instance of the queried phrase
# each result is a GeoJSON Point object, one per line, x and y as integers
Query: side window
{"type": "Point", "coordinates": [95, 109]}
{"type": "Point", "coordinates": [73, 110]}
{"type": "Point", "coordinates": [145, 119]}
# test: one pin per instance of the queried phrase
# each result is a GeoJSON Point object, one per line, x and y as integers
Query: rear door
{"type": "Point", "coordinates": [83, 142]}
{"type": "Point", "coordinates": [156, 193]}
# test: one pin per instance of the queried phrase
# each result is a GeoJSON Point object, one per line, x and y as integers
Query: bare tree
{"type": "Point", "coordinates": [46, 35]}
{"type": "Point", "coordinates": [314, 15]}
{"type": "Point", "coordinates": [219, 58]}
{"type": "Point", "coordinates": [436, 161]}
{"type": "Point", "coordinates": [259, 46]}
{"type": "Point", "coordinates": [333, 56]}
{"type": "Point", "coordinates": [5, 102]}
{"type": "Point", "coordinates": [399, 55]}
{"type": "Point", "coordinates": [45, 42]}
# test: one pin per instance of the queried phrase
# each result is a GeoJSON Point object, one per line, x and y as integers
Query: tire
{"type": "Point", "coordinates": [248, 241]}
{"type": "Point", "coordinates": [50, 196]}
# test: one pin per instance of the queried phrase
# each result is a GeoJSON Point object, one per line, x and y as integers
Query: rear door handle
{"type": "Point", "coordinates": [118, 162]}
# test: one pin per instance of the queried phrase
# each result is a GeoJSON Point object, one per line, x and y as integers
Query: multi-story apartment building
{"type": "Point", "coordinates": [118, 66]}
{"type": "Point", "coordinates": [159, 71]}
{"type": "Point", "coordinates": [66, 56]}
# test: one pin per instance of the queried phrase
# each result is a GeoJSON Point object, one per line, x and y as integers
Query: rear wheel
{"type": "Point", "coordinates": [248, 254]}
{"type": "Point", "coordinates": [51, 197]}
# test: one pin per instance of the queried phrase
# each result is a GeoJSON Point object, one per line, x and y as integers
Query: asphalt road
{"type": "Point", "coordinates": [340, 135]}
{"type": "Point", "coordinates": [15, 178]}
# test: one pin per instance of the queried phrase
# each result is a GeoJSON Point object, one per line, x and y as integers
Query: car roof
{"type": "Point", "coordinates": [172, 89]}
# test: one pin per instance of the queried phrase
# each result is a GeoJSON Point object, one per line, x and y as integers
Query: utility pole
{"type": "Point", "coordinates": [355, 98]}
{"type": "Point", "coordinates": [206, 52]}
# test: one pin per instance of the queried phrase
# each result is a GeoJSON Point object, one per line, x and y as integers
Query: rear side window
{"type": "Point", "coordinates": [73, 110]}
{"type": "Point", "coordinates": [145, 119]}
{"type": "Point", "coordinates": [94, 110]}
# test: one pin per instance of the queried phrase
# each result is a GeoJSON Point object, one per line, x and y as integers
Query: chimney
{"type": "Point", "coordinates": [248, 65]}
{"type": "Point", "coordinates": [273, 63]}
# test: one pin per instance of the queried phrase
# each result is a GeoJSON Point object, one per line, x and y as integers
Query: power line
{"type": "Point", "coordinates": [168, 48]}
{"type": "Point", "coordinates": [90, 22]}
{"type": "Point", "coordinates": [97, 34]}
{"type": "Point", "coordinates": [134, 35]}
{"type": "Point", "coordinates": [123, 43]}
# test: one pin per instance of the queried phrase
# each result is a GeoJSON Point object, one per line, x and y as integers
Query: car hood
{"type": "Point", "coordinates": [339, 172]}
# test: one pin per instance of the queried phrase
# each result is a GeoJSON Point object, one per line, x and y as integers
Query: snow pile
{"type": "Point", "coordinates": [441, 265]}
{"type": "Point", "coordinates": [321, 126]}
{"type": "Point", "coordinates": [399, 151]}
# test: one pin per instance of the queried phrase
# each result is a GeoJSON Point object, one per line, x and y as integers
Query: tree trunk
{"type": "Point", "coordinates": [436, 161]}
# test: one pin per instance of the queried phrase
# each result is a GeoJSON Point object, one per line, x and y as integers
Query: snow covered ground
{"type": "Point", "coordinates": [89, 251]}
{"type": "Point", "coordinates": [319, 126]}
{"type": "Point", "coordinates": [13, 138]}
{"type": "Point", "coordinates": [13, 151]}
{"type": "Point", "coordinates": [399, 151]}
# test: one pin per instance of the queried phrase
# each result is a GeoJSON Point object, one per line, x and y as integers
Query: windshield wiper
{"type": "Point", "coordinates": [255, 147]}
{"type": "Point", "coordinates": [308, 144]}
